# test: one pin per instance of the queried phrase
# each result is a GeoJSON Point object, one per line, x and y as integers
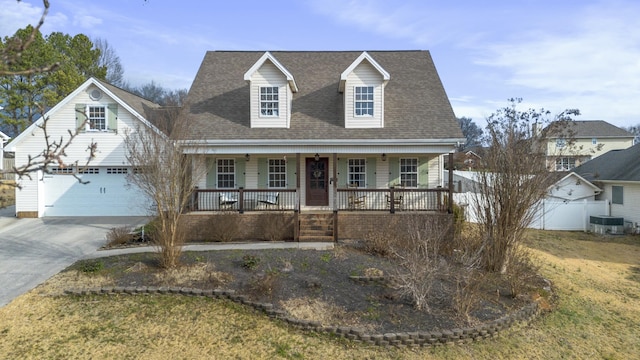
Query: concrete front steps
{"type": "Point", "coordinates": [316, 227]}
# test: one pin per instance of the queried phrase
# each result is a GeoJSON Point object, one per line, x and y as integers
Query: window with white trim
{"type": "Point", "coordinates": [363, 100]}
{"type": "Point", "coordinates": [560, 143]}
{"type": "Point", "coordinates": [269, 101]}
{"type": "Point", "coordinates": [357, 172]}
{"type": "Point", "coordinates": [61, 170]}
{"type": "Point", "coordinates": [277, 174]}
{"type": "Point", "coordinates": [89, 170]}
{"type": "Point", "coordinates": [117, 170]}
{"type": "Point", "coordinates": [97, 117]}
{"type": "Point", "coordinates": [409, 172]}
{"type": "Point", "coordinates": [226, 173]}
{"type": "Point", "coordinates": [565, 163]}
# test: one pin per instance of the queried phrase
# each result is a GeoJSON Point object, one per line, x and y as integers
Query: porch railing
{"type": "Point", "coordinates": [349, 199]}
{"type": "Point", "coordinates": [242, 200]}
{"type": "Point", "coordinates": [392, 200]}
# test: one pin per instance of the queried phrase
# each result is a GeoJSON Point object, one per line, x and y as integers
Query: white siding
{"type": "Point", "coordinates": [110, 146]}
{"type": "Point", "coordinates": [269, 75]}
{"type": "Point", "coordinates": [382, 174]}
{"type": "Point", "coordinates": [364, 75]}
{"type": "Point", "coordinates": [630, 209]}
{"type": "Point", "coordinates": [435, 168]}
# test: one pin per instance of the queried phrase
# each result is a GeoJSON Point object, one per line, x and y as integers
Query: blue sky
{"type": "Point", "coordinates": [555, 54]}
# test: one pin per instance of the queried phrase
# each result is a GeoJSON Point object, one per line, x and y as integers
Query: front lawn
{"type": "Point", "coordinates": [596, 314]}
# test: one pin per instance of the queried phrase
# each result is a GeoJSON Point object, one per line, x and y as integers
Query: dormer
{"type": "Point", "coordinates": [362, 84]}
{"type": "Point", "coordinates": [271, 93]}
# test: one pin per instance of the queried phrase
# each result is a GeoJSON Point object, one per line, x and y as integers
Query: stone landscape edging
{"type": "Point", "coordinates": [401, 339]}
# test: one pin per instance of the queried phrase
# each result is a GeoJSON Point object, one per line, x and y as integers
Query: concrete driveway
{"type": "Point", "coordinates": [33, 250]}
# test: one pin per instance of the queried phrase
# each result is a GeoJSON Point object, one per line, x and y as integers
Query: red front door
{"type": "Point", "coordinates": [317, 182]}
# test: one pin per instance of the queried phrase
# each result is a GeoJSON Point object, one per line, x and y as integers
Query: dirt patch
{"type": "Point", "coordinates": [323, 286]}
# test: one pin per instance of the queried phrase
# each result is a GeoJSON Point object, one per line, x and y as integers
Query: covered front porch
{"type": "Point", "coordinates": [321, 182]}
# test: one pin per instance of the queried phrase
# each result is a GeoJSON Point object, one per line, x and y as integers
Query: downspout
{"type": "Point", "coordinates": [450, 204]}
{"type": "Point", "coordinates": [334, 180]}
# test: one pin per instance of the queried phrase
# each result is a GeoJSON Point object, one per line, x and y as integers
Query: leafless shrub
{"type": "Point", "coordinates": [119, 236]}
{"type": "Point", "coordinates": [275, 226]}
{"type": "Point", "coordinates": [522, 271]}
{"type": "Point", "coordinates": [381, 240]}
{"type": "Point", "coordinates": [467, 292]}
{"type": "Point", "coordinates": [224, 226]}
{"type": "Point", "coordinates": [419, 258]}
{"type": "Point", "coordinates": [265, 283]}
{"type": "Point", "coordinates": [514, 177]}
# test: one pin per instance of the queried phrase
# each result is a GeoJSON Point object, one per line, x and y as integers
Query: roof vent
{"type": "Point", "coordinates": [95, 94]}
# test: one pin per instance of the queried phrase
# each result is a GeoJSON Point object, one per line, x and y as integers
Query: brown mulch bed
{"type": "Point", "coordinates": [313, 285]}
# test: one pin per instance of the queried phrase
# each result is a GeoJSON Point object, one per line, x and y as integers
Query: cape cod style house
{"type": "Point", "coordinates": [308, 127]}
{"type": "Point", "coordinates": [320, 133]}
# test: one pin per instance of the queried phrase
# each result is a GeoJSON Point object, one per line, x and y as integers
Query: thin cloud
{"type": "Point", "coordinates": [16, 15]}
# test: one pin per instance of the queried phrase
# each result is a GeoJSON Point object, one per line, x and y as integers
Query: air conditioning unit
{"type": "Point", "coordinates": [603, 224]}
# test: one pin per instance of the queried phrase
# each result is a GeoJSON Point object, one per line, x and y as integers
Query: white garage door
{"type": "Point", "coordinates": [105, 194]}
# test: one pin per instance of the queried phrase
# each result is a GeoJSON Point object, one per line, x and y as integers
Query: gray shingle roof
{"type": "Point", "coordinates": [141, 105]}
{"type": "Point", "coordinates": [596, 128]}
{"type": "Point", "coordinates": [616, 165]}
{"type": "Point", "coordinates": [415, 103]}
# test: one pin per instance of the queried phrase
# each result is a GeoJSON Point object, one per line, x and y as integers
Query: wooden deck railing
{"type": "Point", "coordinates": [349, 199]}
{"type": "Point", "coordinates": [392, 200]}
{"type": "Point", "coordinates": [244, 200]}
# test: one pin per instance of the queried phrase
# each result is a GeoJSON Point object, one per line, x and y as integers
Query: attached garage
{"type": "Point", "coordinates": [105, 193]}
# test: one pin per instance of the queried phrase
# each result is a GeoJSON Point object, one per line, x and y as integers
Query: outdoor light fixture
{"type": "Point", "coordinates": [384, 157]}
{"type": "Point", "coordinates": [247, 157]}
{"type": "Point", "coordinates": [316, 157]}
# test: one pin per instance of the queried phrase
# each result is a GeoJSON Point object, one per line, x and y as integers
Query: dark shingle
{"type": "Point", "coordinates": [596, 129]}
{"type": "Point", "coordinates": [415, 103]}
{"type": "Point", "coordinates": [620, 165]}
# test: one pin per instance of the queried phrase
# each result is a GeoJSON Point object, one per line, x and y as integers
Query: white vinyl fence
{"type": "Point", "coordinates": [552, 214]}
{"type": "Point", "coordinates": [6, 165]}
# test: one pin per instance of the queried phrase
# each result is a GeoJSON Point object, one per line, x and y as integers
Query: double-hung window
{"type": "Point", "coordinates": [364, 100]}
{"type": "Point", "coordinates": [269, 101]}
{"type": "Point", "coordinates": [97, 117]}
{"type": "Point", "coordinates": [277, 174]}
{"type": "Point", "coordinates": [565, 163]}
{"type": "Point", "coordinates": [409, 172]}
{"type": "Point", "coordinates": [357, 172]}
{"type": "Point", "coordinates": [226, 172]}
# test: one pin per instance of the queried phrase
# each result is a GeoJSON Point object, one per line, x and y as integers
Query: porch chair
{"type": "Point", "coordinates": [270, 199]}
{"type": "Point", "coordinates": [356, 201]}
{"type": "Point", "coordinates": [227, 201]}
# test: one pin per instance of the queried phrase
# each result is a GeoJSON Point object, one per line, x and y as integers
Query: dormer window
{"type": "Point", "coordinates": [363, 100]}
{"type": "Point", "coordinates": [362, 84]}
{"type": "Point", "coordinates": [271, 93]}
{"type": "Point", "coordinates": [269, 101]}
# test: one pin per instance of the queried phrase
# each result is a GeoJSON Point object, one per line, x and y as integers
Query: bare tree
{"type": "Point", "coordinates": [514, 178]}
{"type": "Point", "coordinates": [111, 61]}
{"type": "Point", "coordinates": [166, 175]}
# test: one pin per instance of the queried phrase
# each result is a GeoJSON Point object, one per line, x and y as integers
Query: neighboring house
{"type": "Point", "coordinates": [111, 112]}
{"type": "Point", "coordinates": [3, 139]}
{"type": "Point", "coordinates": [590, 139]}
{"type": "Point", "coordinates": [568, 204]}
{"type": "Point", "coordinates": [310, 126]}
{"type": "Point", "coordinates": [617, 173]}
